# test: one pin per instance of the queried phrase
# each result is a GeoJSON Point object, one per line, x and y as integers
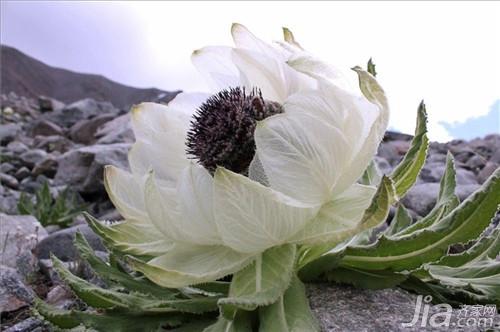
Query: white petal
{"type": "Point", "coordinates": [302, 155]}
{"type": "Point", "coordinates": [244, 39]}
{"type": "Point", "coordinates": [215, 64]}
{"type": "Point", "coordinates": [126, 193]}
{"type": "Point", "coordinates": [188, 265]}
{"type": "Point", "coordinates": [376, 95]}
{"type": "Point", "coordinates": [251, 217]}
{"type": "Point", "coordinates": [195, 191]}
{"type": "Point", "coordinates": [339, 218]}
{"type": "Point", "coordinates": [314, 67]}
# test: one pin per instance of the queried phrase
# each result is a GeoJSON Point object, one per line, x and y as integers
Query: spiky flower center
{"type": "Point", "coordinates": [222, 129]}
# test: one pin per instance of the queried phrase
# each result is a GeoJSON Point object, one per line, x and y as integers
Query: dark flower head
{"type": "Point", "coordinates": [222, 129]}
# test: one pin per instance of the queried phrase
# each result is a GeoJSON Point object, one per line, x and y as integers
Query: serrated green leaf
{"type": "Point", "coordinates": [400, 221]}
{"type": "Point", "coordinates": [262, 282]}
{"type": "Point", "coordinates": [365, 278]}
{"type": "Point", "coordinates": [242, 322]}
{"type": "Point", "coordinates": [115, 276]}
{"type": "Point", "coordinates": [371, 176]}
{"type": "Point", "coordinates": [406, 173]}
{"type": "Point", "coordinates": [370, 67]}
{"type": "Point", "coordinates": [291, 313]}
{"type": "Point", "coordinates": [409, 252]}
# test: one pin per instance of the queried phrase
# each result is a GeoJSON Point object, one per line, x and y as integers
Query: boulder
{"type": "Point", "coordinates": [18, 234]}
{"type": "Point", "coordinates": [45, 127]}
{"type": "Point", "coordinates": [8, 132]}
{"type": "Point", "coordinates": [60, 243]}
{"type": "Point", "coordinates": [80, 110]}
{"type": "Point", "coordinates": [488, 169]}
{"type": "Point", "coordinates": [47, 104]}
{"type": "Point", "coordinates": [118, 130]}
{"type": "Point", "coordinates": [83, 168]}
{"type": "Point", "coordinates": [84, 130]}
{"type": "Point", "coordinates": [14, 294]}
{"type": "Point", "coordinates": [32, 157]}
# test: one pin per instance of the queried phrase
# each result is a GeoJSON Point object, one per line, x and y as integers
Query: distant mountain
{"type": "Point", "coordinates": [29, 77]}
{"type": "Point", "coordinates": [476, 126]}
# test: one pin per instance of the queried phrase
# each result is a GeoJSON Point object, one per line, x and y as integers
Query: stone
{"type": "Point", "coordinates": [47, 167]}
{"type": "Point", "coordinates": [32, 157]}
{"type": "Point", "coordinates": [345, 308]}
{"type": "Point", "coordinates": [80, 110]}
{"type": "Point", "coordinates": [118, 130]}
{"type": "Point", "coordinates": [60, 243]}
{"type": "Point", "coordinates": [383, 165]}
{"type": "Point", "coordinates": [31, 324]}
{"type": "Point", "coordinates": [8, 200]}
{"type": "Point", "coordinates": [53, 143]}
{"type": "Point", "coordinates": [83, 168]}
{"type": "Point", "coordinates": [22, 173]}
{"type": "Point", "coordinates": [393, 151]}
{"type": "Point", "coordinates": [18, 234]}
{"type": "Point", "coordinates": [433, 172]}
{"type": "Point", "coordinates": [436, 158]}
{"type": "Point", "coordinates": [27, 266]}
{"type": "Point", "coordinates": [495, 157]}
{"type": "Point", "coordinates": [9, 181]}
{"type": "Point", "coordinates": [8, 132]}
{"type": "Point", "coordinates": [47, 104]}
{"type": "Point", "coordinates": [396, 136]}
{"type": "Point", "coordinates": [84, 130]}
{"type": "Point", "coordinates": [476, 163]}
{"type": "Point", "coordinates": [60, 297]}
{"type": "Point", "coordinates": [487, 170]}
{"type": "Point", "coordinates": [14, 294]}
{"type": "Point", "coordinates": [45, 127]}
{"type": "Point", "coordinates": [6, 167]}
{"type": "Point", "coordinates": [17, 147]}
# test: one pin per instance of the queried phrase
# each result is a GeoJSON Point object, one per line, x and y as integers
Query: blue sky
{"type": "Point", "coordinates": [446, 53]}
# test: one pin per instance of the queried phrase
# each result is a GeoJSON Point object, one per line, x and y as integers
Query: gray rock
{"type": "Point", "coordinates": [383, 165]}
{"type": "Point", "coordinates": [47, 104]}
{"type": "Point", "coordinates": [436, 158]}
{"type": "Point", "coordinates": [8, 132]}
{"type": "Point", "coordinates": [80, 110]}
{"type": "Point", "coordinates": [45, 127]}
{"type": "Point", "coordinates": [393, 151]}
{"type": "Point", "coordinates": [22, 173]}
{"type": "Point", "coordinates": [53, 143]}
{"type": "Point", "coordinates": [118, 130]}
{"type": "Point", "coordinates": [13, 292]}
{"type": "Point", "coordinates": [27, 266]}
{"type": "Point", "coordinates": [342, 308]}
{"type": "Point", "coordinates": [60, 243]}
{"type": "Point", "coordinates": [433, 172]}
{"type": "Point", "coordinates": [60, 297]}
{"type": "Point", "coordinates": [18, 234]}
{"type": "Point", "coordinates": [8, 200]}
{"type": "Point", "coordinates": [83, 168]}
{"type": "Point", "coordinates": [32, 157]}
{"type": "Point", "coordinates": [17, 147]}
{"type": "Point", "coordinates": [84, 130]}
{"type": "Point", "coordinates": [476, 163]}
{"type": "Point", "coordinates": [9, 181]}
{"type": "Point", "coordinates": [488, 169]}
{"type": "Point", "coordinates": [31, 324]}
{"type": "Point", "coordinates": [495, 158]}
{"type": "Point", "coordinates": [6, 167]}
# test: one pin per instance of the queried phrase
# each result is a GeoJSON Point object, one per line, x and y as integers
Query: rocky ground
{"type": "Point", "coordinates": [67, 146]}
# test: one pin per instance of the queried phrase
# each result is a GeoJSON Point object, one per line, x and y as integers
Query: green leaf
{"type": "Point", "coordinates": [117, 277]}
{"type": "Point", "coordinates": [370, 67]}
{"type": "Point", "coordinates": [366, 278]}
{"type": "Point", "coordinates": [262, 282]}
{"type": "Point", "coordinates": [291, 313]}
{"type": "Point", "coordinates": [372, 175]}
{"type": "Point", "coordinates": [401, 220]}
{"type": "Point", "coordinates": [242, 322]}
{"type": "Point", "coordinates": [406, 173]}
{"type": "Point", "coordinates": [409, 252]}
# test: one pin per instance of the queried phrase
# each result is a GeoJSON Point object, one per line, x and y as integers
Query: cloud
{"type": "Point", "coordinates": [476, 126]}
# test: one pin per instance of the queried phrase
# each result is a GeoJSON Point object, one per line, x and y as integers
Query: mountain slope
{"type": "Point", "coordinates": [29, 77]}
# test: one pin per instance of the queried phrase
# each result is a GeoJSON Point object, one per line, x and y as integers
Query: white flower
{"type": "Point", "coordinates": [200, 227]}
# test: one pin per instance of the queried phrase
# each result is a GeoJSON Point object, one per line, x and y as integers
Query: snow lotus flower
{"type": "Point", "coordinates": [272, 157]}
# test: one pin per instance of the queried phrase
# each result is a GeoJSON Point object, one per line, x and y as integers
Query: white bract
{"type": "Point", "coordinates": [199, 227]}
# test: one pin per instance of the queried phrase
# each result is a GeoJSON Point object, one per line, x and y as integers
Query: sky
{"type": "Point", "coordinates": [447, 53]}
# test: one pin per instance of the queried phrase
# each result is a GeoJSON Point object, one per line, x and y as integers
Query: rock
{"type": "Point", "coordinates": [22, 173]}
{"type": "Point", "coordinates": [18, 234]}
{"type": "Point", "coordinates": [345, 308]}
{"type": "Point", "coordinates": [395, 136]}
{"type": "Point", "coordinates": [495, 157]}
{"type": "Point", "coordinates": [488, 169]}
{"type": "Point", "coordinates": [8, 132]}
{"type": "Point", "coordinates": [17, 147]}
{"type": "Point", "coordinates": [80, 110]}
{"type": "Point", "coordinates": [9, 181]}
{"type": "Point", "coordinates": [433, 172]}
{"type": "Point", "coordinates": [27, 266]}
{"type": "Point", "coordinates": [383, 165]}
{"type": "Point", "coordinates": [6, 168]}
{"type": "Point", "coordinates": [422, 197]}
{"type": "Point", "coordinates": [47, 167]}
{"type": "Point", "coordinates": [83, 168]}
{"type": "Point", "coordinates": [84, 130]}
{"type": "Point", "coordinates": [118, 130]}
{"type": "Point", "coordinates": [8, 200]}
{"type": "Point", "coordinates": [476, 163]}
{"type": "Point", "coordinates": [47, 104]}
{"type": "Point", "coordinates": [393, 151]}
{"type": "Point", "coordinates": [32, 157]}
{"type": "Point", "coordinates": [60, 243]}
{"type": "Point", "coordinates": [436, 158]}
{"type": "Point", "coordinates": [45, 127]}
{"type": "Point", "coordinates": [13, 292]}
{"type": "Point", "coordinates": [53, 143]}
{"type": "Point", "coordinates": [31, 324]}
{"type": "Point", "coordinates": [60, 297]}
